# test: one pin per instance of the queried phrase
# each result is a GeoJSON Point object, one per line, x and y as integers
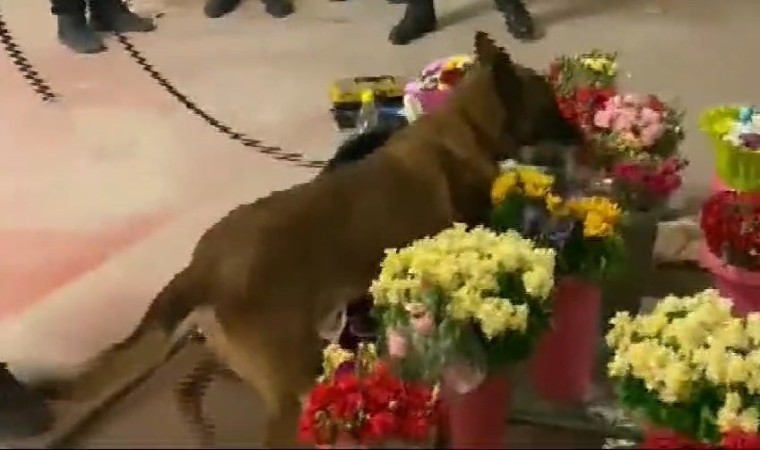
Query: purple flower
{"type": "Point", "coordinates": [560, 233]}
{"type": "Point", "coordinates": [534, 220]}
{"type": "Point", "coordinates": [750, 140]}
{"type": "Point", "coordinates": [345, 368]}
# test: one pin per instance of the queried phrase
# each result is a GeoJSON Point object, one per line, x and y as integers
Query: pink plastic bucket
{"type": "Point", "coordinates": [563, 364]}
{"type": "Point", "coordinates": [741, 286]}
{"type": "Point", "coordinates": [717, 185]}
{"type": "Point", "coordinates": [478, 419]}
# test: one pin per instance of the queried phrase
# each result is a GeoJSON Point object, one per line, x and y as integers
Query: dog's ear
{"type": "Point", "coordinates": [486, 50]}
{"type": "Point", "coordinates": [506, 80]}
{"type": "Point", "coordinates": [491, 55]}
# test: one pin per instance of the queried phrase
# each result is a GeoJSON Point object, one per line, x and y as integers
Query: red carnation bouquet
{"type": "Point", "coordinates": [733, 440]}
{"type": "Point", "coordinates": [730, 221]}
{"type": "Point", "coordinates": [642, 183]}
{"type": "Point", "coordinates": [360, 402]}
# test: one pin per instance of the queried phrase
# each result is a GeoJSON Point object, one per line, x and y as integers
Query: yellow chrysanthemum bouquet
{"type": "Point", "coordinates": [584, 231]}
{"type": "Point", "coordinates": [689, 367]}
{"type": "Point", "coordinates": [463, 303]}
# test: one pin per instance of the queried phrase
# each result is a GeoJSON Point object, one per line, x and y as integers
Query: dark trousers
{"type": "Point", "coordinates": [64, 7]}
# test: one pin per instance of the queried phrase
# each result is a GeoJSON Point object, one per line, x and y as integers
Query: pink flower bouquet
{"type": "Point", "coordinates": [635, 126]}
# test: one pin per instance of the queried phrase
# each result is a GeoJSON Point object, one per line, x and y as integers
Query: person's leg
{"type": "Point", "coordinates": [518, 19]}
{"type": "Point", "coordinates": [114, 15]}
{"type": "Point", "coordinates": [419, 19]}
{"type": "Point", "coordinates": [278, 8]}
{"type": "Point", "coordinates": [219, 8]}
{"type": "Point", "coordinates": [23, 412]}
{"type": "Point", "coordinates": [73, 30]}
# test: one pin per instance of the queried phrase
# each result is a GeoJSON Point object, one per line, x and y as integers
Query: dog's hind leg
{"type": "Point", "coordinates": [279, 359]}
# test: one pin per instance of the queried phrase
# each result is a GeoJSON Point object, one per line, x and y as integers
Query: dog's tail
{"type": "Point", "coordinates": [142, 351]}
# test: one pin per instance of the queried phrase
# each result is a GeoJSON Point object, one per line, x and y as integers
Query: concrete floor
{"type": "Point", "coordinates": [106, 190]}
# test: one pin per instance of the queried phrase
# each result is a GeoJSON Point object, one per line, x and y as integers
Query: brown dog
{"type": "Point", "coordinates": [263, 280]}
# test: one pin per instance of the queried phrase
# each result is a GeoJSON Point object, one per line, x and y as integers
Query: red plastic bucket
{"type": "Point", "coordinates": [563, 364]}
{"type": "Point", "coordinates": [741, 286]}
{"type": "Point", "coordinates": [663, 438]}
{"type": "Point", "coordinates": [478, 419]}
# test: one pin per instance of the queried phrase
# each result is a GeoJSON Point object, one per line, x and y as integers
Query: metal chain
{"type": "Point", "coordinates": [296, 158]}
{"type": "Point", "coordinates": [23, 65]}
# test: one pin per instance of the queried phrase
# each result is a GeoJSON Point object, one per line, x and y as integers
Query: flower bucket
{"type": "Point", "coordinates": [349, 444]}
{"type": "Point", "coordinates": [563, 363]}
{"type": "Point", "coordinates": [736, 166]}
{"type": "Point", "coordinates": [624, 293]}
{"type": "Point", "coordinates": [342, 444]}
{"type": "Point", "coordinates": [717, 185]}
{"type": "Point", "coordinates": [478, 419]}
{"type": "Point", "coordinates": [742, 286]}
{"type": "Point", "coordinates": [655, 437]}
{"type": "Point", "coordinates": [418, 102]}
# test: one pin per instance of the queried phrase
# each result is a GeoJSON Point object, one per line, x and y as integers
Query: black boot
{"type": "Point", "coordinates": [419, 19]}
{"type": "Point", "coordinates": [278, 8]}
{"type": "Point", "coordinates": [219, 8]}
{"type": "Point", "coordinates": [518, 19]}
{"type": "Point", "coordinates": [113, 15]}
{"type": "Point", "coordinates": [76, 34]}
{"type": "Point", "coordinates": [23, 412]}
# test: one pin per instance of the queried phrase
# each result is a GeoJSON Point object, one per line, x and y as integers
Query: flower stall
{"type": "Point", "coordinates": [584, 233]}
{"type": "Point", "coordinates": [462, 307]}
{"type": "Point", "coordinates": [689, 372]}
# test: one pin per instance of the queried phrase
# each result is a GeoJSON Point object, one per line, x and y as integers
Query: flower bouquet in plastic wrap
{"type": "Point", "coordinates": [646, 183]}
{"type": "Point", "coordinates": [631, 127]}
{"type": "Point", "coordinates": [584, 231]}
{"type": "Point", "coordinates": [730, 224]}
{"type": "Point", "coordinates": [689, 372]}
{"type": "Point", "coordinates": [735, 135]}
{"type": "Point", "coordinates": [462, 306]}
{"type": "Point", "coordinates": [434, 85]}
{"type": "Point", "coordinates": [360, 402]}
{"type": "Point", "coordinates": [581, 82]}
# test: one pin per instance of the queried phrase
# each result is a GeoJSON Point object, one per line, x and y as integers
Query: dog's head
{"type": "Point", "coordinates": [513, 105]}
